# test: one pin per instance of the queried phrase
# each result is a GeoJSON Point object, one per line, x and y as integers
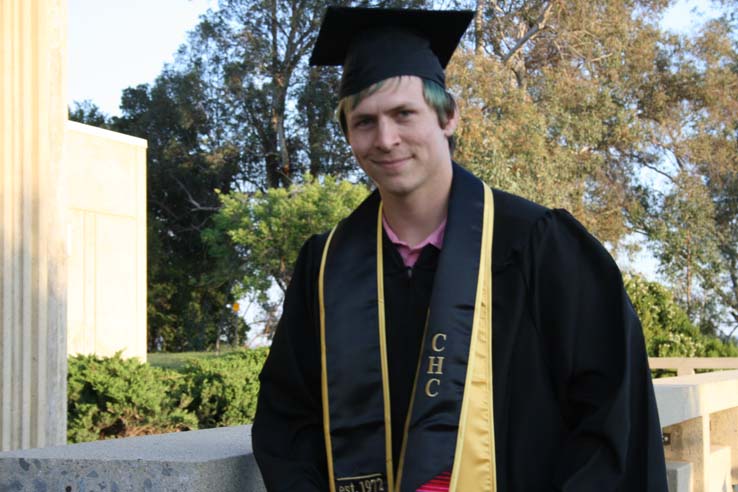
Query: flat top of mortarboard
{"type": "Point", "coordinates": [442, 28]}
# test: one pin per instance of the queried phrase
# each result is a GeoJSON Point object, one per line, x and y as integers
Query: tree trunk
{"type": "Point", "coordinates": [272, 166]}
{"type": "Point", "coordinates": [479, 28]}
{"type": "Point", "coordinates": [689, 274]}
{"type": "Point", "coordinates": [314, 142]}
{"type": "Point", "coordinates": [279, 96]}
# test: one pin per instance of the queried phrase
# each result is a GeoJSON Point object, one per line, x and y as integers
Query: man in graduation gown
{"type": "Point", "coordinates": [445, 336]}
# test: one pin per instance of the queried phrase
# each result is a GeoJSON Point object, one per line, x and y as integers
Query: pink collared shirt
{"type": "Point", "coordinates": [409, 253]}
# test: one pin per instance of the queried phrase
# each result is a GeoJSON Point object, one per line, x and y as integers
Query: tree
{"type": "Point", "coordinates": [593, 107]}
{"type": "Point", "coordinates": [685, 236]}
{"type": "Point", "coordinates": [227, 115]}
{"type": "Point", "coordinates": [587, 106]}
{"type": "Point", "coordinates": [275, 110]}
{"type": "Point", "coordinates": [267, 229]}
{"type": "Point", "coordinates": [690, 218]}
{"type": "Point", "coordinates": [548, 105]}
{"type": "Point", "coordinates": [88, 113]}
{"type": "Point", "coordinates": [185, 164]}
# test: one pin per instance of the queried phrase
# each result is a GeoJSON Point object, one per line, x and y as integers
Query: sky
{"type": "Point", "coordinates": [114, 44]}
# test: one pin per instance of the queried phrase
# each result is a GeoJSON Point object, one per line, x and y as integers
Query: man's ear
{"type": "Point", "coordinates": [451, 124]}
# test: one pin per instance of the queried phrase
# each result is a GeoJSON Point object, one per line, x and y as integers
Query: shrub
{"type": "Point", "coordinates": [112, 397]}
{"type": "Point", "coordinates": [715, 347]}
{"type": "Point", "coordinates": [667, 327]}
{"type": "Point", "coordinates": [223, 390]}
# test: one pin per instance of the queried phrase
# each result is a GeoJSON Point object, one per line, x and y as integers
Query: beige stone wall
{"type": "Point", "coordinates": [32, 257]}
{"type": "Point", "coordinates": [106, 184]}
{"type": "Point", "coordinates": [700, 416]}
{"type": "Point", "coordinates": [724, 429]}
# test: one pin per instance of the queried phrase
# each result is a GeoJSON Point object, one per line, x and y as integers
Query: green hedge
{"type": "Point", "coordinates": [114, 397]}
{"type": "Point", "coordinates": [224, 389]}
{"type": "Point", "coordinates": [111, 397]}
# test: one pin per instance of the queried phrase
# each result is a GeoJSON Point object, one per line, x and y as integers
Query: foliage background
{"type": "Point", "coordinates": [259, 236]}
{"type": "Point", "coordinates": [587, 105]}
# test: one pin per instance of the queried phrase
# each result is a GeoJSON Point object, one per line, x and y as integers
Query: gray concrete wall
{"type": "Point", "coordinates": [208, 460]}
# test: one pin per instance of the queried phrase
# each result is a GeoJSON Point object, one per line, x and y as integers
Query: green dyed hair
{"type": "Point", "coordinates": [436, 96]}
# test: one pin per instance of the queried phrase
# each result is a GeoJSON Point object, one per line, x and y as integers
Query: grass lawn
{"type": "Point", "coordinates": [177, 360]}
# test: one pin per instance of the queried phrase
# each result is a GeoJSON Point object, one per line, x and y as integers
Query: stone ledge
{"type": "Point", "coordinates": [683, 398]}
{"type": "Point", "coordinates": [214, 459]}
{"type": "Point", "coordinates": [207, 460]}
{"type": "Point", "coordinates": [107, 134]}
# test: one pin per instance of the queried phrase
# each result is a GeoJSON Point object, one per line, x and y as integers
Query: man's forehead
{"type": "Point", "coordinates": [392, 93]}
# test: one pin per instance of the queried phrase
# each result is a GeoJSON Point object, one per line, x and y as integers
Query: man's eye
{"type": "Point", "coordinates": [362, 123]}
{"type": "Point", "coordinates": [405, 113]}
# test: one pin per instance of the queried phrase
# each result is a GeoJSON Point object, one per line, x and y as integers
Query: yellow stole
{"type": "Point", "coordinates": [474, 454]}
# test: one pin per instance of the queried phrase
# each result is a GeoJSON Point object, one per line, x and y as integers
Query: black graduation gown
{"type": "Point", "coordinates": [574, 408]}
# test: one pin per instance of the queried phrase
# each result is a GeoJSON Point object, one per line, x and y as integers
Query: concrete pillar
{"type": "Point", "coordinates": [32, 246]}
{"type": "Point", "coordinates": [724, 430]}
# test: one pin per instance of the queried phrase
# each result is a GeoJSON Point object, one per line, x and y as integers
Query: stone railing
{"type": "Point", "coordinates": [699, 416]}
{"type": "Point", "coordinates": [685, 366]}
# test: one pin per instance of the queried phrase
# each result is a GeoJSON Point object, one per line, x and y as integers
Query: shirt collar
{"type": "Point", "coordinates": [409, 253]}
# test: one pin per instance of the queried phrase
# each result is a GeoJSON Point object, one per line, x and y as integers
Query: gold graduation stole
{"type": "Point", "coordinates": [449, 431]}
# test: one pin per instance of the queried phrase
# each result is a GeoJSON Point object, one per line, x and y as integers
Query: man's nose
{"type": "Point", "coordinates": [387, 134]}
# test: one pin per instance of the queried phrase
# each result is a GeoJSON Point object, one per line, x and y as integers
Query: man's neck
{"type": "Point", "coordinates": [414, 217]}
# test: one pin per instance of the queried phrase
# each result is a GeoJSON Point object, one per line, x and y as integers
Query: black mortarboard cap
{"type": "Point", "coordinates": [375, 44]}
